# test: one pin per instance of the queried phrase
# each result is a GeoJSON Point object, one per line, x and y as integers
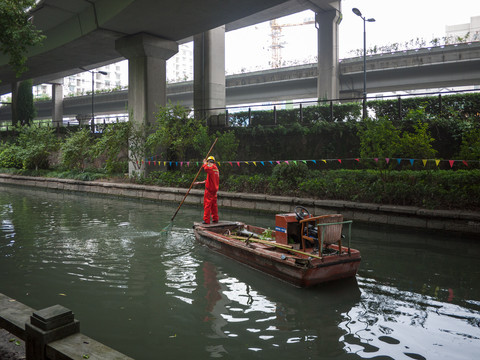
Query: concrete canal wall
{"type": "Point", "coordinates": [48, 334]}
{"type": "Point", "coordinates": [448, 220]}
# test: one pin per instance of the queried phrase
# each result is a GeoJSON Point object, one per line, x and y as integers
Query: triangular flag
{"type": "Point", "coordinates": [164, 163]}
{"type": "Point", "coordinates": [278, 162]}
{"type": "Point", "coordinates": [188, 163]}
{"type": "Point", "coordinates": [170, 163]}
{"type": "Point", "coordinates": [230, 163]}
{"type": "Point", "coordinates": [437, 162]}
{"type": "Point", "coordinates": [287, 162]}
{"type": "Point", "coordinates": [451, 162]}
{"type": "Point", "coordinates": [376, 159]}
{"type": "Point", "coordinates": [325, 161]}
{"type": "Point", "coordinates": [387, 160]}
{"type": "Point", "coordinates": [357, 159]}
{"type": "Point", "coordinates": [314, 161]}
{"type": "Point", "coordinates": [295, 162]}
{"type": "Point", "coordinates": [465, 162]}
{"type": "Point", "coordinates": [238, 163]}
{"type": "Point", "coordinates": [304, 161]}
{"type": "Point", "coordinates": [181, 164]}
{"type": "Point", "coordinates": [154, 163]}
{"type": "Point", "coordinates": [411, 161]}
{"type": "Point", "coordinates": [399, 161]}
{"type": "Point", "coordinates": [176, 163]}
{"type": "Point", "coordinates": [255, 163]}
{"type": "Point", "coordinates": [340, 161]}
{"type": "Point", "coordinates": [424, 162]}
{"type": "Point", "coordinates": [262, 163]}
{"type": "Point", "coordinates": [246, 162]}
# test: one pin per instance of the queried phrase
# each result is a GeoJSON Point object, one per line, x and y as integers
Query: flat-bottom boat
{"type": "Point", "coordinates": [304, 250]}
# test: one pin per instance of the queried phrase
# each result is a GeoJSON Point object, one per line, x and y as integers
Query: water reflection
{"type": "Point", "coordinates": [267, 316]}
{"type": "Point", "coordinates": [158, 294]}
{"type": "Point", "coordinates": [403, 325]}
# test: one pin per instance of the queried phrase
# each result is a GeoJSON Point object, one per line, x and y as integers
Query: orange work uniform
{"type": "Point", "coordinates": [210, 197]}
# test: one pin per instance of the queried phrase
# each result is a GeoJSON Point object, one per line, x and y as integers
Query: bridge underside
{"type": "Point", "coordinates": [83, 33]}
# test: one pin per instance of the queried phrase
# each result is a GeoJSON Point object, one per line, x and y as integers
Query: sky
{"type": "Point", "coordinates": [395, 21]}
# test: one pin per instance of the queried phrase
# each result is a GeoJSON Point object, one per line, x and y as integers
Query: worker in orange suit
{"type": "Point", "coordinates": [210, 208]}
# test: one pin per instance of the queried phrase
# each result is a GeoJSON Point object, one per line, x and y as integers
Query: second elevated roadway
{"type": "Point", "coordinates": [436, 67]}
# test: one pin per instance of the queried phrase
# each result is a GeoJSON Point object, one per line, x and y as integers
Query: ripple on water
{"type": "Point", "coordinates": [404, 325]}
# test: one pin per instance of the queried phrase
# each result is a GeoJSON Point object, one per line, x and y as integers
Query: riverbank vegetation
{"type": "Point", "coordinates": [422, 152]}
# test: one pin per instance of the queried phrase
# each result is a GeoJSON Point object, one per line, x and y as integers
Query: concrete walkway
{"type": "Point", "coordinates": [11, 348]}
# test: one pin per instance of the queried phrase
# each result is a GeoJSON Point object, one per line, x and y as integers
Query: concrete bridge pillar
{"type": "Point", "coordinates": [328, 84]}
{"type": "Point", "coordinates": [209, 76]}
{"type": "Point", "coordinates": [57, 101]}
{"type": "Point", "coordinates": [13, 105]}
{"type": "Point", "coordinates": [147, 80]}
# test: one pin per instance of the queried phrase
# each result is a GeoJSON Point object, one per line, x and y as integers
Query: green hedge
{"type": "Point", "coordinates": [434, 189]}
{"type": "Point", "coordinates": [458, 105]}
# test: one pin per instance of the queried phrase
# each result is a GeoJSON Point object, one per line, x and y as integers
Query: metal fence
{"type": "Point", "coordinates": [229, 116]}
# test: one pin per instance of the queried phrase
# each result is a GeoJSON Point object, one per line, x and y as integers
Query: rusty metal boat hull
{"type": "Point", "coordinates": [298, 270]}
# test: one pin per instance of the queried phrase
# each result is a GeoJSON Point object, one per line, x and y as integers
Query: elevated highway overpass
{"type": "Point", "coordinates": [438, 67]}
{"type": "Point", "coordinates": [83, 33]}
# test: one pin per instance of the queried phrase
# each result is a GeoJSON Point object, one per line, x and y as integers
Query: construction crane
{"type": "Point", "coordinates": [276, 34]}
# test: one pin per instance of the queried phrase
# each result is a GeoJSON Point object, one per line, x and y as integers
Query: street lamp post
{"type": "Point", "coordinates": [92, 124]}
{"type": "Point", "coordinates": [358, 13]}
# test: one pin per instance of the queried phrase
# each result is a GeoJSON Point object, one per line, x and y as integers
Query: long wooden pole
{"type": "Point", "coordinates": [191, 185]}
{"type": "Point", "coordinates": [280, 246]}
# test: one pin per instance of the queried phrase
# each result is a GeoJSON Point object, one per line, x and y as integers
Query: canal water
{"type": "Point", "coordinates": [155, 294]}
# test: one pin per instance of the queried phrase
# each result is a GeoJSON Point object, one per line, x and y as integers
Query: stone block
{"type": "Point", "coordinates": [407, 221]}
{"type": "Point", "coordinates": [362, 216]}
{"type": "Point", "coordinates": [241, 204]}
{"type": "Point", "coordinates": [166, 197]}
{"type": "Point", "coordinates": [52, 317]}
{"type": "Point", "coordinates": [435, 224]}
{"type": "Point", "coordinates": [267, 206]}
{"type": "Point", "coordinates": [399, 209]}
{"type": "Point", "coordinates": [48, 325]}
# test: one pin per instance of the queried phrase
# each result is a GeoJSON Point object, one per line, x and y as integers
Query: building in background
{"type": "Point", "coordinates": [469, 31]}
{"type": "Point", "coordinates": [180, 66]}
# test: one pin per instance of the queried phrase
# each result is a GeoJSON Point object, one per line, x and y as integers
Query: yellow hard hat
{"type": "Point", "coordinates": [211, 158]}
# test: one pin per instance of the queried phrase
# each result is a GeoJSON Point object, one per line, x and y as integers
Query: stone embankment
{"type": "Point", "coordinates": [447, 220]}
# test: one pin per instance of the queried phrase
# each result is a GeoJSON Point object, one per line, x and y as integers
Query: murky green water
{"type": "Point", "coordinates": [159, 295]}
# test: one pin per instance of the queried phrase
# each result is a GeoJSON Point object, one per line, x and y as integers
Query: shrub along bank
{"type": "Point", "coordinates": [432, 189]}
{"type": "Point", "coordinates": [424, 132]}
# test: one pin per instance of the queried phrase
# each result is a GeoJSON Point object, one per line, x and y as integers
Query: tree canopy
{"type": "Point", "coordinates": [17, 32]}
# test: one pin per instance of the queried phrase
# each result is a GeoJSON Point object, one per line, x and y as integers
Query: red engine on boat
{"type": "Point", "coordinates": [287, 225]}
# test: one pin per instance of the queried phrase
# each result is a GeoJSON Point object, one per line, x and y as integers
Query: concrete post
{"type": "Point", "coordinates": [147, 80]}
{"type": "Point", "coordinates": [209, 76]}
{"type": "Point", "coordinates": [57, 100]}
{"type": "Point", "coordinates": [328, 85]}
{"type": "Point", "coordinates": [15, 87]}
{"type": "Point", "coordinates": [46, 326]}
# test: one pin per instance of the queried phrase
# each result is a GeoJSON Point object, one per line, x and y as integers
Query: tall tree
{"type": "Point", "coordinates": [17, 32]}
{"type": "Point", "coordinates": [26, 111]}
